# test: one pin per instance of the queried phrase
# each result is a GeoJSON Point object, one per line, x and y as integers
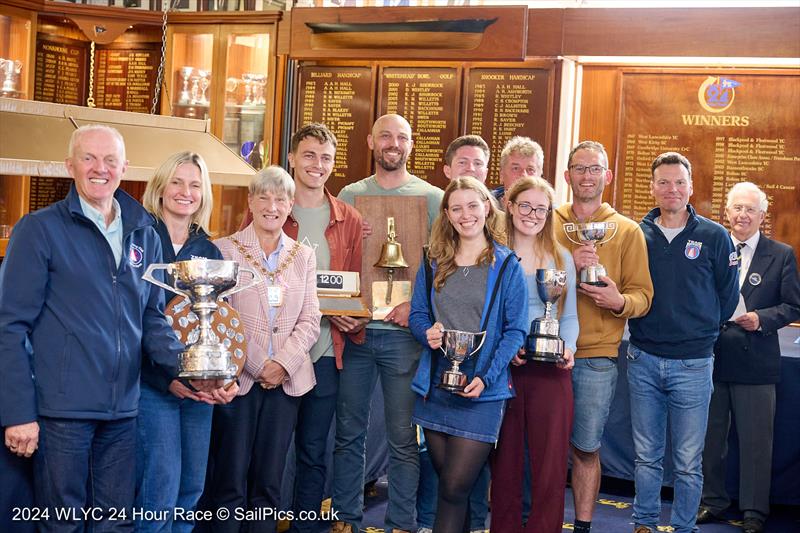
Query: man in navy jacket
{"type": "Point", "coordinates": [71, 285]}
{"type": "Point", "coordinates": [747, 364]}
{"type": "Point", "coordinates": [670, 356]}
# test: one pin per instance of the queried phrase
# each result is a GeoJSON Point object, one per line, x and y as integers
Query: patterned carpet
{"type": "Point", "coordinates": [612, 513]}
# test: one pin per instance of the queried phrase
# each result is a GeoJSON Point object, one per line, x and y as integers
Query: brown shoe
{"type": "Point", "coordinates": [642, 529]}
{"type": "Point", "coordinates": [341, 527]}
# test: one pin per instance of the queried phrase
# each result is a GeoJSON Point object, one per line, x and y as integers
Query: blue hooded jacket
{"type": "Point", "coordinates": [88, 320]}
{"type": "Point", "coordinates": [505, 324]}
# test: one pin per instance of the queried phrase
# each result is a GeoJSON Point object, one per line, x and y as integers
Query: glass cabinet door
{"type": "Point", "coordinates": [247, 91]}
{"type": "Point", "coordinates": [15, 44]}
{"type": "Point", "coordinates": [191, 93]}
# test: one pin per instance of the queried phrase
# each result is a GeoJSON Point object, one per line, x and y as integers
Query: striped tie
{"type": "Point", "coordinates": [739, 252]}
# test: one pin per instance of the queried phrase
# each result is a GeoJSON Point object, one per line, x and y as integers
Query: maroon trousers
{"type": "Point", "coordinates": [542, 412]}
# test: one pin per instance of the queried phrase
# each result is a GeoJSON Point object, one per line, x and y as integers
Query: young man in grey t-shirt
{"type": "Point", "coordinates": [389, 351]}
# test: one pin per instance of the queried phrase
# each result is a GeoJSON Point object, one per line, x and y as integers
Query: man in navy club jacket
{"type": "Point", "coordinates": [748, 362]}
{"type": "Point", "coordinates": [71, 286]}
{"type": "Point", "coordinates": [670, 357]}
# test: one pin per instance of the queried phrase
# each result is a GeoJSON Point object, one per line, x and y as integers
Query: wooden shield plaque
{"type": "Point", "coordinates": [225, 324]}
{"type": "Point", "coordinates": [411, 224]}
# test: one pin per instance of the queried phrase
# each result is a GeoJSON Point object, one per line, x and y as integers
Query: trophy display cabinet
{"type": "Point", "coordinates": [225, 73]}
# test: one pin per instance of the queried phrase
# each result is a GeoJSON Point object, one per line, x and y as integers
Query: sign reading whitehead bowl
{"type": "Point", "coordinates": [732, 125]}
{"type": "Point", "coordinates": [411, 232]}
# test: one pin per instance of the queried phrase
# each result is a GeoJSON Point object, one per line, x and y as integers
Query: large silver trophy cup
{"type": "Point", "coordinates": [594, 233]}
{"type": "Point", "coordinates": [458, 346]}
{"type": "Point", "coordinates": [203, 282]}
{"type": "Point", "coordinates": [543, 343]}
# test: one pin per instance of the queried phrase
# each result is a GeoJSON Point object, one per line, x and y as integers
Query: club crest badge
{"type": "Point", "coordinates": [692, 250]}
{"type": "Point", "coordinates": [754, 279]}
{"type": "Point", "coordinates": [136, 256]}
{"type": "Point", "coordinates": [716, 94]}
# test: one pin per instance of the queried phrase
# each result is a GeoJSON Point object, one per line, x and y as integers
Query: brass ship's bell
{"type": "Point", "coordinates": [391, 257]}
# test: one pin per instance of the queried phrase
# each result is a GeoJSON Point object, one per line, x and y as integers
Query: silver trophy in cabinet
{"type": "Point", "coordinates": [203, 282]}
{"type": "Point", "coordinates": [10, 70]}
{"type": "Point", "coordinates": [595, 233]}
{"type": "Point", "coordinates": [458, 346]}
{"type": "Point", "coordinates": [185, 97]}
{"type": "Point", "coordinates": [544, 343]}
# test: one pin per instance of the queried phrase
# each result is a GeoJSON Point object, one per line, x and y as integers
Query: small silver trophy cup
{"type": "Point", "coordinates": [595, 233]}
{"type": "Point", "coordinates": [10, 70]}
{"type": "Point", "coordinates": [203, 282]}
{"type": "Point", "coordinates": [458, 346]}
{"type": "Point", "coordinates": [543, 343]}
{"type": "Point", "coordinates": [185, 97]}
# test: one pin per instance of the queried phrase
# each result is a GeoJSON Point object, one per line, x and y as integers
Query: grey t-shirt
{"type": "Point", "coordinates": [459, 304]}
{"type": "Point", "coordinates": [312, 222]}
{"type": "Point", "coordinates": [413, 187]}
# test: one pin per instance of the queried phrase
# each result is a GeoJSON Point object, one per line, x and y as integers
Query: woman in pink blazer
{"type": "Point", "coordinates": [251, 435]}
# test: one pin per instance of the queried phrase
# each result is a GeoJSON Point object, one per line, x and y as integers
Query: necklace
{"type": "Point", "coordinates": [465, 270]}
{"type": "Point", "coordinates": [270, 274]}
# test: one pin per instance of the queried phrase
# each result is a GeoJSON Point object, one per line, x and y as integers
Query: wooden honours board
{"type": "Point", "coordinates": [60, 73]}
{"type": "Point", "coordinates": [339, 97]}
{"type": "Point", "coordinates": [428, 98]}
{"type": "Point", "coordinates": [411, 223]}
{"type": "Point", "coordinates": [732, 126]}
{"type": "Point", "coordinates": [125, 77]}
{"type": "Point", "coordinates": [500, 103]}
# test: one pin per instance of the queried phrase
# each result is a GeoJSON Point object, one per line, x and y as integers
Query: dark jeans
{"type": "Point", "coordinates": [310, 440]}
{"type": "Point", "coordinates": [87, 464]}
{"type": "Point", "coordinates": [250, 438]}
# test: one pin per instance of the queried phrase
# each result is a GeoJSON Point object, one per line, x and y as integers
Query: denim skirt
{"type": "Point", "coordinates": [458, 416]}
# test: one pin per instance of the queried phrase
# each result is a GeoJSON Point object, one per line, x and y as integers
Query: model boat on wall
{"type": "Point", "coordinates": [457, 34]}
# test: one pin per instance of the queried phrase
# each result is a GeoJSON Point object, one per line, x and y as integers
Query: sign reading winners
{"type": "Point", "coordinates": [733, 126]}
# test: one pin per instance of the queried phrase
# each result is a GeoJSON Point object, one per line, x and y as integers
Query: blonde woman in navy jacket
{"type": "Point", "coordinates": [476, 284]}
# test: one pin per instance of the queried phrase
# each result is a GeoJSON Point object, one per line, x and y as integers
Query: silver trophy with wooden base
{"type": "Point", "coordinates": [458, 346]}
{"type": "Point", "coordinates": [544, 343]}
{"type": "Point", "coordinates": [203, 282]}
{"type": "Point", "coordinates": [594, 233]}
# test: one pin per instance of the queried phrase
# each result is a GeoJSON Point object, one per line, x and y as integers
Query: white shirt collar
{"type": "Point", "coordinates": [751, 243]}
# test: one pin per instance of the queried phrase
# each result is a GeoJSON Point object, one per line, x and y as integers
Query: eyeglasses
{"type": "Point", "coordinates": [594, 170]}
{"type": "Point", "coordinates": [526, 209]}
{"type": "Point", "coordinates": [738, 209]}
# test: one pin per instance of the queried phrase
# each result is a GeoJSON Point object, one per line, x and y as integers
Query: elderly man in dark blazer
{"type": "Point", "coordinates": [747, 364]}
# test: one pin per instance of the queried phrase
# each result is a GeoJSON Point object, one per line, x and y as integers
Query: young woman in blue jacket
{"type": "Point", "coordinates": [476, 284]}
{"type": "Point", "coordinates": [174, 423]}
{"type": "Point", "coordinates": [541, 412]}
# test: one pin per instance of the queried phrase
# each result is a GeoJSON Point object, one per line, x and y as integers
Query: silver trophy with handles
{"type": "Point", "coordinates": [544, 343]}
{"type": "Point", "coordinates": [203, 282]}
{"type": "Point", "coordinates": [458, 346]}
{"type": "Point", "coordinates": [594, 233]}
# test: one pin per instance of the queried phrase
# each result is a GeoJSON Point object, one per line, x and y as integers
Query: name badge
{"type": "Point", "coordinates": [274, 296]}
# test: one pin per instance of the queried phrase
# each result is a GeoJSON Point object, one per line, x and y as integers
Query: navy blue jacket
{"type": "Point", "coordinates": [771, 289]}
{"type": "Point", "coordinates": [88, 320]}
{"type": "Point", "coordinates": [196, 246]}
{"type": "Point", "coordinates": [505, 324]}
{"type": "Point", "coordinates": [695, 282]}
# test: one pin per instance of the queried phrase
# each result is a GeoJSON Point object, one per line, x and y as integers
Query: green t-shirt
{"type": "Point", "coordinates": [313, 221]}
{"type": "Point", "coordinates": [413, 187]}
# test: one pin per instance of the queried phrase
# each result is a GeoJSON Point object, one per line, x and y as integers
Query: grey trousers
{"type": "Point", "coordinates": [753, 410]}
